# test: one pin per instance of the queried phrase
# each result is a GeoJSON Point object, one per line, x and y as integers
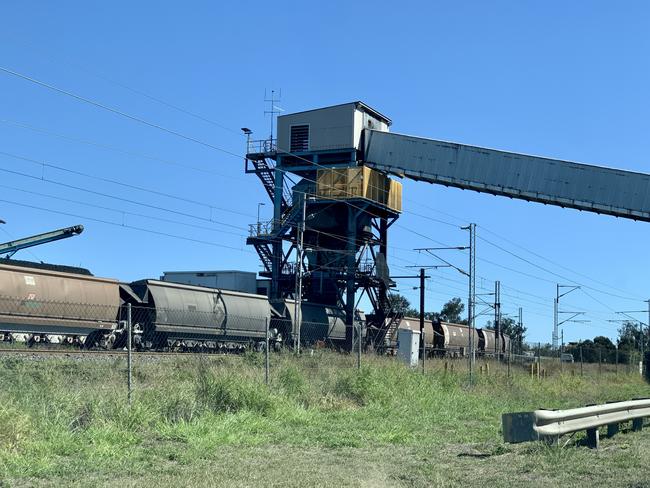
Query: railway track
{"type": "Point", "coordinates": [76, 354]}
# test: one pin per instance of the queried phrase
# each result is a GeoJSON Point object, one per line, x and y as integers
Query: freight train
{"type": "Point", "coordinates": [452, 340]}
{"type": "Point", "coordinates": [60, 304]}
{"type": "Point", "coordinates": [66, 305]}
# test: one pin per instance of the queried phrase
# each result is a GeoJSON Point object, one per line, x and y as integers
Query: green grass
{"type": "Point", "coordinates": [212, 421]}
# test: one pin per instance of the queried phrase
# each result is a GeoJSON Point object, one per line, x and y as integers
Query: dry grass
{"type": "Point", "coordinates": [211, 421]}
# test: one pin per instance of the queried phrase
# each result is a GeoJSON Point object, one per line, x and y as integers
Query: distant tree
{"type": "Point", "coordinates": [452, 311]}
{"type": "Point", "coordinates": [401, 304]}
{"type": "Point", "coordinates": [605, 349]}
{"type": "Point", "coordinates": [600, 349]}
{"type": "Point", "coordinates": [629, 340]}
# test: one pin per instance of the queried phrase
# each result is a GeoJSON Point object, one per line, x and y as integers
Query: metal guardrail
{"type": "Point", "coordinates": [262, 146]}
{"type": "Point", "coordinates": [549, 425]}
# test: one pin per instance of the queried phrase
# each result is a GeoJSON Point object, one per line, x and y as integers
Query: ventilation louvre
{"type": "Point", "coordinates": [299, 138]}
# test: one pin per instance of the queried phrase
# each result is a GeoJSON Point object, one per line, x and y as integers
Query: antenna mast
{"type": "Point", "coordinates": [273, 108]}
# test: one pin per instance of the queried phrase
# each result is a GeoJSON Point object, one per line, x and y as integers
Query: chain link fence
{"type": "Point", "coordinates": [130, 339]}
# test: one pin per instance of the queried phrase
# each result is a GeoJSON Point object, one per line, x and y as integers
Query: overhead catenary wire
{"type": "Point", "coordinates": [120, 211]}
{"type": "Point", "coordinates": [111, 147]}
{"type": "Point", "coordinates": [128, 226]}
{"type": "Point", "coordinates": [131, 186]}
{"type": "Point", "coordinates": [114, 197]}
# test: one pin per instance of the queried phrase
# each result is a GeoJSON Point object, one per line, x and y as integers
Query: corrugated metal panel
{"type": "Point", "coordinates": [551, 181]}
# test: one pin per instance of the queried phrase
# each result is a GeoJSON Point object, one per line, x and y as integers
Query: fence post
{"type": "Point", "coordinates": [509, 355]}
{"type": "Point", "coordinates": [600, 362]}
{"type": "Point", "coordinates": [266, 353]}
{"type": "Point", "coordinates": [359, 345]}
{"type": "Point", "coordinates": [581, 371]}
{"type": "Point", "coordinates": [129, 347]}
{"type": "Point", "coordinates": [617, 360]}
{"type": "Point", "coordinates": [539, 358]}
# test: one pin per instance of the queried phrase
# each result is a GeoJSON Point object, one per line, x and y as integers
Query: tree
{"type": "Point", "coordinates": [629, 340]}
{"type": "Point", "coordinates": [600, 349]}
{"type": "Point", "coordinates": [452, 310]}
{"type": "Point", "coordinates": [400, 304]}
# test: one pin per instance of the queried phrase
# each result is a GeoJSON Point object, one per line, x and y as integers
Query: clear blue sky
{"type": "Point", "coordinates": [560, 79]}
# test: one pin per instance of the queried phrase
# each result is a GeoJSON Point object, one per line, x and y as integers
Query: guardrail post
{"type": "Point", "coordinates": [593, 438]}
{"type": "Point", "coordinates": [637, 424]}
{"type": "Point", "coordinates": [612, 429]}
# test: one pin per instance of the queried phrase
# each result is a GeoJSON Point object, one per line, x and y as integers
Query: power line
{"type": "Point", "coordinates": [117, 112]}
{"type": "Point", "coordinates": [141, 229]}
{"type": "Point", "coordinates": [123, 212]}
{"type": "Point", "coordinates": [114, 148]}
{"type": "Point", "coordinates": [106, 195]}
{"type": "Point", "coordinates": [553, 262]}
{"type": "Point", "coordinates": [121, 183]}
{"type": "Point", "coordinates": [551, 272]}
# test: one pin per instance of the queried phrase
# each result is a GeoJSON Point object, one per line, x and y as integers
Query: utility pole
{"type": "Point", "coordinates": [521, 323]}
{"type": "Point", "coordinates": [472, 296]}
{"type": "Point", "coordinates": [497, 318]}
{"type": "Point", "coordinates": [643, 337]}
{"type": "Point", "coordinates": [641, 331]}
{"type": "Point", "coordinates": [298, 293]}
{"type": "Point", "coordinates": [556, 311]}
{"type": "Point", "coordinates": [555, 326]}
{"type": "Point", "coordinates": [422, 279]}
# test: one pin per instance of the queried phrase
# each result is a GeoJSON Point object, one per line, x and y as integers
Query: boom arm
{"type": "Point", "coordinates": [550, 181]}
{"type": "Point", "coordinates": [13, 247]}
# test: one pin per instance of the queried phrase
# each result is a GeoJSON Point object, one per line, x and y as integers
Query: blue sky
{"type": "Point", "coordinates": [559, 79]}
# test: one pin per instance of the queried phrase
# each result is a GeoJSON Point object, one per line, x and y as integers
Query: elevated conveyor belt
{"type": "Point", "coordinates": [550, 181]}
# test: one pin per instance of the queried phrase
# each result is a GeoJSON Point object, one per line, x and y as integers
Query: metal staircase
{"type": "Point", "coordinates": [385, 334]}
{"type": "Point", "coordinates": [265, 254]}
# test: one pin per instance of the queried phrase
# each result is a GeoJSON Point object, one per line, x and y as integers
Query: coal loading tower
{"type": "Point", "coordinates": [339, 209]}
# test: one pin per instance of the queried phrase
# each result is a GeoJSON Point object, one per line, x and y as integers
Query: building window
{"type": "Point", "coordinates": [299, 138]}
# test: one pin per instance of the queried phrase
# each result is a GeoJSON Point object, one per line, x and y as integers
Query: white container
{"type": "Point", "coordinates": [408, 346]}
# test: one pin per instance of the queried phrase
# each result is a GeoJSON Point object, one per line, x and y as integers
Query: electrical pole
{"type": "Point", "coordinates": [555, 307]}
{"type": "Point", "coordinates": [472, 295]}
{"type": "Point", "coordinates": [521, 323]}
{"type": "Point", "coordinates": [642, 345]}
{"type": "Point", "coordinates": [422, 304]}
{"type": "Point", "coordinates": [497, 318]}
{"type": "Point", "coordinates": [556, 311]}
{"type": "Point", "coordinates": [298, 293]}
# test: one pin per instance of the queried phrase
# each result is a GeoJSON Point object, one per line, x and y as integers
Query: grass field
{"type": "Point", "coordinates": [212, 422]}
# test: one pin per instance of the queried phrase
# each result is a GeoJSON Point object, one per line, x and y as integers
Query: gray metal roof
{"type": "Point", "coordinates": [358, 104]}
{"type": "Point", "coordinates": [551, 181]}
